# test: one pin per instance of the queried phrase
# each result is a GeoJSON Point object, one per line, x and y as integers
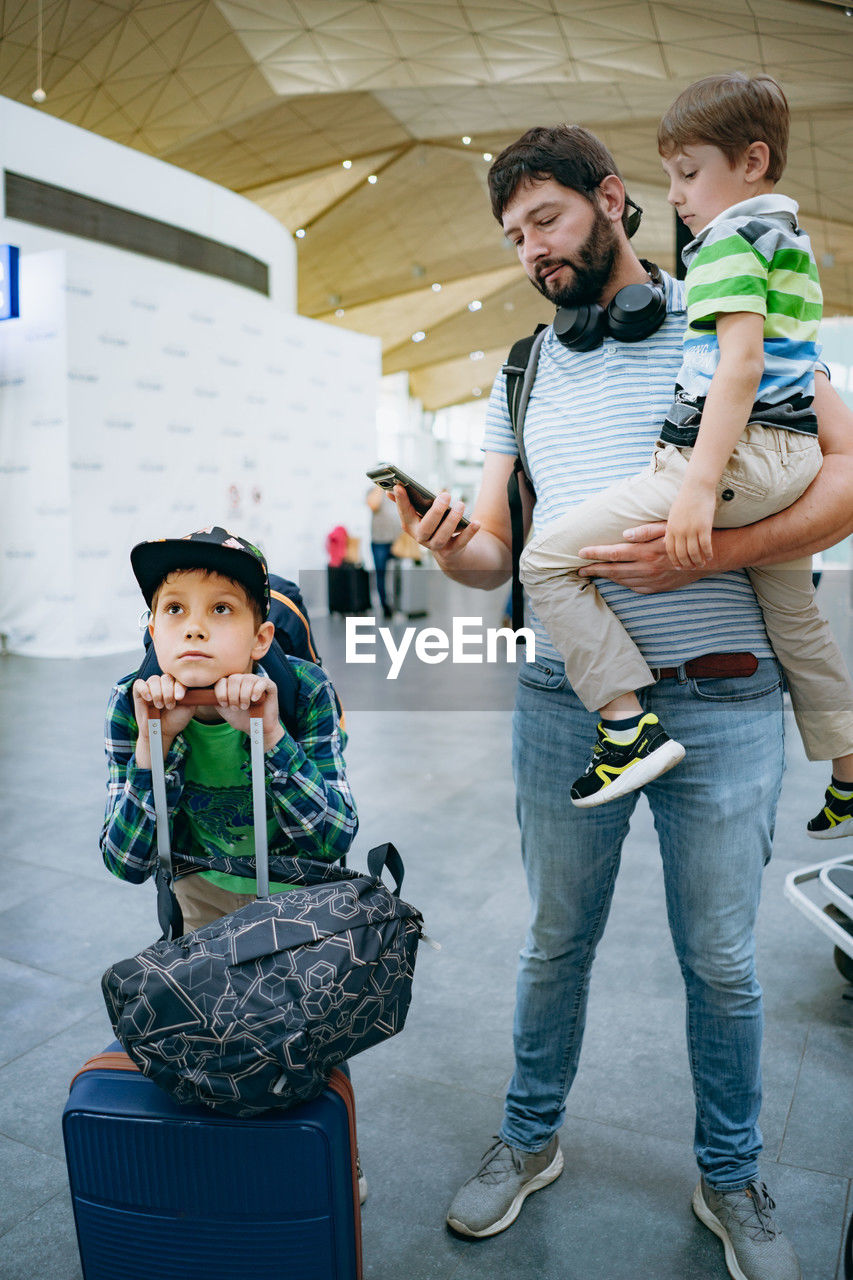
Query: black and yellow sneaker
{"type": "Point", "coordinates": [617, 768]}
{"type": "Point", "coordinates": [835, 818]}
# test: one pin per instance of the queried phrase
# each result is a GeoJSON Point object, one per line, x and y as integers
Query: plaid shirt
{"type": "Point", "coordinates": [306, 785]}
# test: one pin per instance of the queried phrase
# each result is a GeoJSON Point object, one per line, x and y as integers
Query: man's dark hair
{"type": "Point", "coordinates": [568, 153]}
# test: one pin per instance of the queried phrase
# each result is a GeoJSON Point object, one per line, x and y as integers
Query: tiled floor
{"type": "Point", "coordinates": [437, 783]}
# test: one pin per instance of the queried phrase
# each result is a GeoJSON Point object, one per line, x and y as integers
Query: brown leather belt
{"type": "Point", "coordinates": [711, 666]}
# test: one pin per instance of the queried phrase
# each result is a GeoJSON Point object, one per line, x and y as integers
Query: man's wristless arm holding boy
{"type": "Point", "coordinates": [817, 520]}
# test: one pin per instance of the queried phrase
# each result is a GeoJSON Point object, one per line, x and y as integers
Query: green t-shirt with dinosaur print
{"type": "Point", "coordinates": [217, 799]}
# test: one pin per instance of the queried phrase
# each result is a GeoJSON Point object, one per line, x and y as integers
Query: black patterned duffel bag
{"type": "Point", "coordinates": [254, 1010]}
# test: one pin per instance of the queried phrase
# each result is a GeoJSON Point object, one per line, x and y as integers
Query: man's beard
{"type": "Point", "coordinates": [592, 266]}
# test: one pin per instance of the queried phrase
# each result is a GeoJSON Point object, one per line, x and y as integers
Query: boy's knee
{"type": "Point", "coordinates": [538, 565]}
{"type": "Point", "coordinates": [527, 565]}
{"type": "Point", "coordinates": [546, 557]}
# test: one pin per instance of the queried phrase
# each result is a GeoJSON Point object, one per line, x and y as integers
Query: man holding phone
{"type": "Point", "coordinates": [561, 202]}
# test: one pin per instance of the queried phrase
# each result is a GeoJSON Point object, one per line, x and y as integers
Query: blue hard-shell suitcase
{"type": "Point", "coordinates": [182, 1192]}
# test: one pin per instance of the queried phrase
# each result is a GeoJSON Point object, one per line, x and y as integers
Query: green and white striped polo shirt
{"type": "Point", "coordinates": [752, 257]}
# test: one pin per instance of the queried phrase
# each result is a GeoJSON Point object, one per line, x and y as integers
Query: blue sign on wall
{"type": "Point", "coordinates": [9, 260]}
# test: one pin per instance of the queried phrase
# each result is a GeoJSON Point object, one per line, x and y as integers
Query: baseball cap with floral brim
{"type": "Point", "coordinates": [214, 549]}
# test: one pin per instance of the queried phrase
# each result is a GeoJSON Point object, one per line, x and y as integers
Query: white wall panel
{"type": "Point", "coordinates": [140, 399]}
{"type": "Point", "coordinates": [134, 408]}
{"type": "Point", "coordinates": [39, 146]}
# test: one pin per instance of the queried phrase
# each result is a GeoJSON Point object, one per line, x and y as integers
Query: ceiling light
{"type": "Point", "coordinates": [475, 305]}
{"type": "Point", "coordinates": [487, 155]}
{"type": "Point", "coordinates": [300, 233]}
{"type": "Point", "coordinates": [39, 94]}
{"type": "Point", "coordinates": [419, 336]}
{"type": "Point", "coordinates": [476, 391]}
{"type": "Point", "coordinates": [347, 164]}
{"type": "Point", "coordinates": [476, 355]}
{"type": "Point", "coordinates": [466, 141]}
{"type": "Point", "coordinates": [372, 179]}
{"type": "Point", "coordinates": [436, 288]}
{"type": "Point", "coordinates": [339, 313]}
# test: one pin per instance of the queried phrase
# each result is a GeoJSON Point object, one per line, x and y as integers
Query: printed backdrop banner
{"type": "Point", "coordinates": [151, 401]}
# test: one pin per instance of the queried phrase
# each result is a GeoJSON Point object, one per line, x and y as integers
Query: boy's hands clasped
{"type": "Point", "coordinates": [165, 693]}
{"type": "Point", "coordinates": [234, 695]}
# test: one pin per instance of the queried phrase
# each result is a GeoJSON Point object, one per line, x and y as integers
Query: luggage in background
{"type": "Point", "coordinates": [185, 1193]}
{"type": "Point", "coordinates": [349, 589]}
{"type": "Point", "coordinates": [409, 591]}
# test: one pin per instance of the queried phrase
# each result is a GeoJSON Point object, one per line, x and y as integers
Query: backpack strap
{"type": "Point", "coordinates": [292, 618]}
{"type": "Point", "coordinates": [294, 637]}
{"type": "Point", "coordinates": [382, 856]}
{"type": "Point", "coordinates": [520, 374]}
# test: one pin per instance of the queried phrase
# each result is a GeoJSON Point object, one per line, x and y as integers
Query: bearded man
{"type": "Point", "coordinates": [593, 417]}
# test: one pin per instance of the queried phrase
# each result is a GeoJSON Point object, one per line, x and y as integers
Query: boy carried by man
{"type": "Point", "coordinates": [739, 443]}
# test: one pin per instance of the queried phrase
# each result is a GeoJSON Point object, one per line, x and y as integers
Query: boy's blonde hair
{"type": "Point", "coordinates": [729, 112]}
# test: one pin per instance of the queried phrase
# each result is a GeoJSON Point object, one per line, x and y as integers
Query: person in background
{"type": "Point", "coordinates": [384, 528]}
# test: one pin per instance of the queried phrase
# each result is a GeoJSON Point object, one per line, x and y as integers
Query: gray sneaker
{"type": "Point", "coordinates": [755, 1247]}
{"type": "Point", "coordinates": [491, 1200]}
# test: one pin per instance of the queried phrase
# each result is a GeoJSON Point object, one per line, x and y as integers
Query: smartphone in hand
{"type": "Point", "coordinates": [386, 475]}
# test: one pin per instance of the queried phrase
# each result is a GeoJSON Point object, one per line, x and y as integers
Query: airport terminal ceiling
{"type": "Point", "coordinates": [367, 126]}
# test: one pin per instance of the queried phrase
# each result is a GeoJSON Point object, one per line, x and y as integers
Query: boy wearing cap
{"type": "Point", "coordinates": [209, 596]}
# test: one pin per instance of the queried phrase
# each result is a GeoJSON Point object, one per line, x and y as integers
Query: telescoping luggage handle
{"type": "Point", "coordinates": [167, 907]}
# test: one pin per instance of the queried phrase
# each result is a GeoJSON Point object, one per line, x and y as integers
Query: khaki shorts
{"type": "Point", "coordinates": [202, 902]}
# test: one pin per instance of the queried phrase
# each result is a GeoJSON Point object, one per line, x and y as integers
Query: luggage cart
{"type": "Point", "coordinates": [824, 893]}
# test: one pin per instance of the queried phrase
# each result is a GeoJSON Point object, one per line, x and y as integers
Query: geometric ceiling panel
{"type": "Point", "coordinates": [370, 246]}
{"type": "Point", "coordinates": [145, 74]}
{"type": "Point", "coordinates": [272, 97]}
{"type": "Point", "coordinates": [291, 137]}
{"type": "Point", "coordinates": [296, 202]}
{"type": "Point", "coordinates": [477, 333]}
{"type": "Point", "coordinates": [423, 310]}
{"type": "Point", "coordinates": [457, 380]}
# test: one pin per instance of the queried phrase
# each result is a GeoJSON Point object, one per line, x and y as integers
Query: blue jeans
{"type": "Point", "coordinates": [714, 817]}
{"type": "Point", "coordinates": [381, 552]}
